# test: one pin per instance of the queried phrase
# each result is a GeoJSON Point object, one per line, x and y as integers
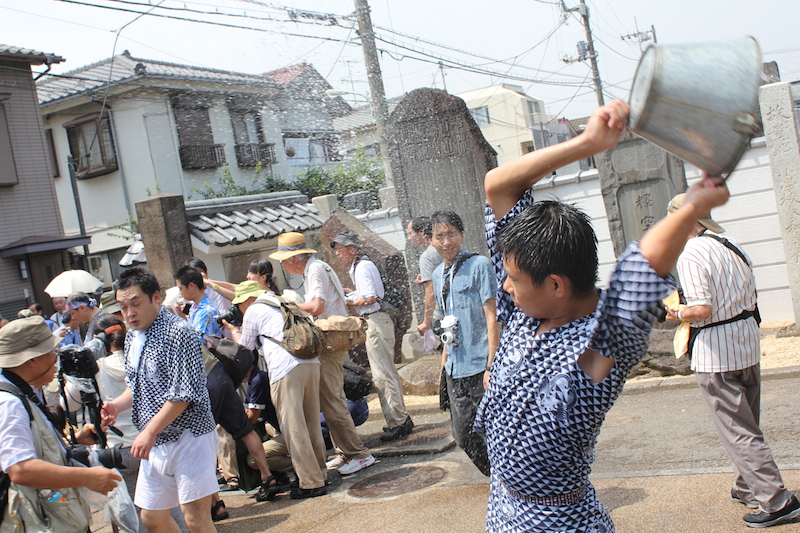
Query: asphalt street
{"type": "Point", "coordinates": [659, 468]}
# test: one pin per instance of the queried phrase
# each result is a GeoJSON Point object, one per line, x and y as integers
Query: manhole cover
{"type": "Point", "coordinates": [399, 481]}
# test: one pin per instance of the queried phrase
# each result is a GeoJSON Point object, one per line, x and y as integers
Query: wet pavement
{"type": "Point", "coordinates": [659, 468]}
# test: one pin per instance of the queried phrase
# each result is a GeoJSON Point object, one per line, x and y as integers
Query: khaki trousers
{"type": "Point", "coordinates": [333, 404]}
{"type": "Point", "coordinates": [380, 352]}
{"type": "Point", "coordinates": [226, 455]}
{"type": "Point", "coordinates": [733, 400]}
{"type": "Point", "coordinates": [296, 397]}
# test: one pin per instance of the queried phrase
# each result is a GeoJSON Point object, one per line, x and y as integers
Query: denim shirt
{"type": "Point", "coordinates": [473, 284]}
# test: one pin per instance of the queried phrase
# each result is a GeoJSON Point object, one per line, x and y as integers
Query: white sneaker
{"type": "Point", "coordinates": [336, 462]}
{"type": "Point", "coordinates": [354, 465]}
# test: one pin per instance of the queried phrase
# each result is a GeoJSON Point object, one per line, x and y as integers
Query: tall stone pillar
{"type": "Point", "coordinates": [163, 225]}
{"type": "Point", "coordinates": [780, 129]}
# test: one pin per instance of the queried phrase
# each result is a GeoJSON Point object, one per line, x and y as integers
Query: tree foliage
{"type": "Point", "coordinates": [258, 185]}
{"type": "Point", "coordinates": [359, 173]}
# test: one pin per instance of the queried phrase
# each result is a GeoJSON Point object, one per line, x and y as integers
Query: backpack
{"type": "Point", "coordinates": [301, 337]}
{"type": "Point", "coordinates": [356, 381]}
{"type": "Point", "coordinates": [235, 358]}
{"type": "Point", "coordinates": [395, 299]}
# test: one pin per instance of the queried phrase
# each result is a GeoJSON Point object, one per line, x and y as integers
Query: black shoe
{"type": "Point", "coordinates": [764, 519]}
{"type": "Point", "coordinates": [398, 432]}
{"type": "Point", "coordinates": [216, 514]}
{"type": "Point", "coordinates": [268, 490]}
{"type": "Point", "coordinates": [737, 498]}
{"type": "Point", "coordinates": [300, 494]}
{"type": "Point", "coordinates": [228, 487]}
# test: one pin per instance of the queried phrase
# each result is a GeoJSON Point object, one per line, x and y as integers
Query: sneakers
{"type": "Point", "coordinates": [398, 432]}
{"type": "Point", "coordinates": [354, 465]}
{"type": "Point", "coordinates": [336, 462]}
{"type": "Point", "coordinates": [764, 519]}
{"type": "Point", "coordinates": [736, 498]}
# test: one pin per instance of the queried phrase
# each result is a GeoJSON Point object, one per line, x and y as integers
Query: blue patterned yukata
{"type": "Point", "coordinates": [541, 414]}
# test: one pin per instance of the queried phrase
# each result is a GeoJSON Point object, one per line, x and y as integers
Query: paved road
{"type": "Point", "coordinates": [659, 469]}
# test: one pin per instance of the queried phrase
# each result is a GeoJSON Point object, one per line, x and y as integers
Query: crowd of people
{"type": "Point", "coordinates": [533, 355]}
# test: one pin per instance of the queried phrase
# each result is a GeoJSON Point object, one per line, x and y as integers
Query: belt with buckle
{"type": "Point", "coordinates": [556, 500]}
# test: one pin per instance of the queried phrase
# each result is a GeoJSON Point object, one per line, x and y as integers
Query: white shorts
{"type": "Point", "coordinates": [178, 472]}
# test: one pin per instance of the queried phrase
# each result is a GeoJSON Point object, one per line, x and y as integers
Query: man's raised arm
{"type": "Point", "coordinates": [506, 184]}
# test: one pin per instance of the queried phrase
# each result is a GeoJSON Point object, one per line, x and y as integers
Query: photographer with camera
{"type": "Point", "coordinates": [465, 288]}
{"type": "Point", "coordinates": [42, 490]}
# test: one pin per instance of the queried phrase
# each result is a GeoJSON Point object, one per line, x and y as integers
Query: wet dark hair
{"type": "Point", "coordinates": [446, 217]}
{"type": "Point", "coordinates": [138, 277]}
{"type": "Point", "coordinates": [549, 238]}
{"type": "Point", "coordinates": [422, 225]}
{"type": "Point", "coordinates": [263, 267]}
{"type": "Point", "coordinates": [37, 307]}
{"type": "Point", "coordinates": [114, 338]}
{"type": "Point", "coordinates": [187, 275]}
{"type": "Point", "coordinates": [198, 264]}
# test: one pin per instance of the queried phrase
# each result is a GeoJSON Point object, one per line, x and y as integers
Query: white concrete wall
{"type": "Point", "coordinates": [750, 218]}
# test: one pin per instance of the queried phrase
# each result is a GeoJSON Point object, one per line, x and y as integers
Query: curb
{"type": "Point", "coordinates": [688, 382]}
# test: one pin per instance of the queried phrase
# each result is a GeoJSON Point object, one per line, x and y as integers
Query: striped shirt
{"type": "Point", "coordinates": [711, 274]}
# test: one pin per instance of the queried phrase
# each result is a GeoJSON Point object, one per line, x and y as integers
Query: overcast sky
{"type": "Point", "coordinates": [529, 36]}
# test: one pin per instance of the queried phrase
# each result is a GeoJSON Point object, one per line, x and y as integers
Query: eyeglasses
{"type": "Point", "coordinates": [452, 234]}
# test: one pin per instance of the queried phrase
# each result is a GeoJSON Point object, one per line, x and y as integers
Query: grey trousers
{"type": "Point", "coordinates": [465, 396]}
{"type": "Point", "coordinates": [733, 400]}
{"type": "Point", "coordinates": [380, 352]}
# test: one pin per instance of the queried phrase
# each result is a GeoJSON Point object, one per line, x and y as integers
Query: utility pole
{"type": "Point", "coordinates": [598, 86]}
{"type": "Point", "coordinates": [441, 69]}
{"type": "Point", "coordinates": [375, 83]}
{"type": "Point", "coordinates": [640, 36]}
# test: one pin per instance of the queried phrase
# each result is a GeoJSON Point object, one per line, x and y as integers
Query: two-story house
{"type": "Point", "coordinates": [33, 248]}
{"type": "Point", "coordinates": [124, 128]}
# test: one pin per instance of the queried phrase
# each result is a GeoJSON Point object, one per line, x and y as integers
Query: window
{"type": "Point", "coordinates": [8, 169]}
{"type": "Point", "coordinates": [91, 143]}
{"type": "Point", "coordinates": [23, 269]}
{"type": "Point", "coordinates": [481, 115]}
{"type": "Point", "coordinates": [51, 146]}
{"type": "Point", "coordinates": [197, 148]}
{"type": "Point", "coordinates": [309, 151]}
{"type": "Point", "coordinates": [534, 107]}
{"type": "Point", "coordinates": [249, 133]}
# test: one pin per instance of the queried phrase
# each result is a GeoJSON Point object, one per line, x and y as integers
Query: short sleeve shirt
{"type": "Point", "coordinates": [169, 368]}
{"type": "Point", "coordinates": [319, 285]}
{"type": "Point", "coordinates": [472, 286]}
{"type": "Point", "coordinates": [428, 261]}
{"type": "Point", "coordinates": [368, 283]}
{"type": "Point", "coordinates": [201, 318]}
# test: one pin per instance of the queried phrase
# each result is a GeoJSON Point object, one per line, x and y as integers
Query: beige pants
{"type": "Point", "coordinates": [333, 404]}
{"type": "Point", "coordinates": [226, 456]}
{"type": "Point", "coordinates": [296, 397]}
{"type": "Point", "coordinates": [380, 352]}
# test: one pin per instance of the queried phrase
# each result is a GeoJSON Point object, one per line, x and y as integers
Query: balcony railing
{"type": "Point", "coordinates": [248, 155]}
{"type": "Point", "coordinates": [202, 156]}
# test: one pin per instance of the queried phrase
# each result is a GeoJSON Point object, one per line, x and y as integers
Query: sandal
{"type": "Point", "coordinates": [216, 516]}
{"type": "Point", "coordinates": [268, 490]}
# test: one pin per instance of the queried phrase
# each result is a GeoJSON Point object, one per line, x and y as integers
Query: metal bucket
{"type": "Point", "coordinates": [699, 101]}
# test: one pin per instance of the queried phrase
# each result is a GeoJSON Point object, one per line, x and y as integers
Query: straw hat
{"type": "Point", "coordinates": [25, 339]}
{"type": "Point", "coordinates": [706, 221]}
{"type": "Point", "coordinates": [289, 245]}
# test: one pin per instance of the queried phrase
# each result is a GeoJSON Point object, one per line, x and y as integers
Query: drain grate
{"type": "Point", "coordinates": [398, 481]}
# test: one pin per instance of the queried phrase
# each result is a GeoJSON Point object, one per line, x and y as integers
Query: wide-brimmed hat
{"type": "Point", "coordinates": [705, 221]}
{"type": "Point", "coordinates": [289, 245]}
{"type": "Point", "coordinates": [108, 302]}
{"type": "Point", "coordinates": [25, 339]}
{"type": "Point", "coordinates": [346, 238]}
{"type": "Point", "coordinates": [245, 290]}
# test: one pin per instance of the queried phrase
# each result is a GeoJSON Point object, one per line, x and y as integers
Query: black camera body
{"type": "Point", "coordinates": [78, 361]}
{"type": "Point", "coordinates": [108, 457]}
{"type": "Point", "coordinates": [232, 316]}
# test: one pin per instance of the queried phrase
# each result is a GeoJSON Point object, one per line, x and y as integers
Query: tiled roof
{"type": "Point", "coordinates": [361, 117]}
{"type": "Point", "coordinates": [34, 57]}
{"type": "Point", "coordinates": [288, 74]}
{"type": "Point", "coordinates": [229, 221]}
{"type": "Point", "coordinates": [127, 69]}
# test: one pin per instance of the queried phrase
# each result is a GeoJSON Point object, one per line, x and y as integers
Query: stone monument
{"type": "Point", "coordinates": [780, 130]}
{"type": "Point", "coordinates": [439, 159]}
{"type": "Point", "coordinates": [164, 229]}
{"type": "Point", "coordinates": [380, 252]}
{"type": "Point", "coordinates": [637, 180]}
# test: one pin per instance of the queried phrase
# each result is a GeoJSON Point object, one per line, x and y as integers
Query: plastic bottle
{"type": "Point", "coordinates": [52, 495]}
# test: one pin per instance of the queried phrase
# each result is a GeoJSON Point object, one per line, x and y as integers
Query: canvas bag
{"type": "Point", "coordinates": [342, 332]}
{"type": "Point", "coordinates": [301, 337]}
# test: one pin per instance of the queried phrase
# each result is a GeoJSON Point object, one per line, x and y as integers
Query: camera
{"type": "Point", "coordinates": [78, 361]}
{"type": "Point", "coordinates": [108, 457]}
{"type": "Point", "coordinates": [233, 316]}
{"type": "Point", "coordinates": [450, 336]}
